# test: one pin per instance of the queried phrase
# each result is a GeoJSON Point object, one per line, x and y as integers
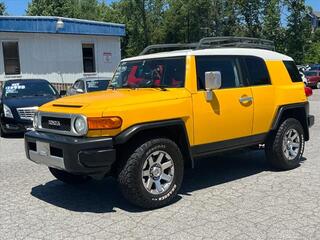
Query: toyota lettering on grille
{"type": "Point", "coordinates": [54, 123]}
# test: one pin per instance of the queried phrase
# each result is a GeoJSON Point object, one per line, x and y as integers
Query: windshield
{"type": "Point", "coordinates": [28, 89]}
{"type": "Point", "coordinates": [97, 85]}
{"type": "Point", "coordinates": [166, 72]}
{"type": "Point", "coordinates": [310, 74]}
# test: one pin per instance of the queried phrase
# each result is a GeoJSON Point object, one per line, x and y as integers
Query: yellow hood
{"type": "Point", "coordinates": [112, 98]}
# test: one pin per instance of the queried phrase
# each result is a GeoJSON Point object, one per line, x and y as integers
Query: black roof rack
{"type": "Point", "coordinates": [241, 42]}
{"type": "Point", "coordinates": [215, 42]}
{"type": "Point", "coordinates": [174, 46]}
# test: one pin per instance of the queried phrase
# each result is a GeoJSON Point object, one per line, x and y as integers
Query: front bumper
{"type": "Point", "coordinates": [86, 156]}
{"type": "Point", "coordinates": [11, 125]}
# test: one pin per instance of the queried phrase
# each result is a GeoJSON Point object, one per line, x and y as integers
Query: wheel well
{"type": "Point", "coordinates": [298, 113]}
{"type": "Point", "coordinates": [176, 133]}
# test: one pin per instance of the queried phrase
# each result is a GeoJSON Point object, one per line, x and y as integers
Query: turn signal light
{"type": "Point", "coordinates": [308, 91]}
{"type": "Point", "coordinates": [104, 123]}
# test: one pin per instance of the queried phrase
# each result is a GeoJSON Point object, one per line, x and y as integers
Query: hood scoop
{"type": "Point", "coordinates": [67, 105]}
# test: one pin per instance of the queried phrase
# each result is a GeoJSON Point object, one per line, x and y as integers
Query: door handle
{"type": "Point", "coordinates": [246, 99]}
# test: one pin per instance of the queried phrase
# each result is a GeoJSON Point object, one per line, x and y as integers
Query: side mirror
{"type": "Point", "coordinates": [63, 93]}
{"type": "Point", "coordinates": [79, 90]}
{"type": "Point", "coordinates": [212, 82]}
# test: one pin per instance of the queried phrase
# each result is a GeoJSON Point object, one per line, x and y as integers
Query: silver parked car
{"type": "Point", "coordinates": [85, 85]}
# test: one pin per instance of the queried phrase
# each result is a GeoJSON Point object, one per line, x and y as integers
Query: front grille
{"type": "Point", "coordinates": [27, 113]}
{"type": "Point", "coordinates": [56, 123]}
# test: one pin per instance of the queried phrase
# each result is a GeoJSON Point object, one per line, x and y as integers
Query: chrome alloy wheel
{"type": "Point", "coordinates": [291, 144]}
{"type": "Point", "coordinates": [158, 172]}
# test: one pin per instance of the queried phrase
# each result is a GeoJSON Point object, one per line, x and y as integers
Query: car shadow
{"type": "Point", "coordinates": [104, 196]}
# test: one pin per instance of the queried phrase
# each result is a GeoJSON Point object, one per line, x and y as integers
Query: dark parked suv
{"type": "Point", "coordinates": [19, 100]}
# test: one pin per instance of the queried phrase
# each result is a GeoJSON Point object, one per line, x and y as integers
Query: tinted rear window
{"type": "Point", "coordinates": [257, 70]}
{"type": "Point", "coordinates": [293, 71]}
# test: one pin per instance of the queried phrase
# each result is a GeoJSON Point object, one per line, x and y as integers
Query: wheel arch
{"type": "Point", "coordinates": [299, 111]}
{"type": "Point", "coordinates": [173, 129]}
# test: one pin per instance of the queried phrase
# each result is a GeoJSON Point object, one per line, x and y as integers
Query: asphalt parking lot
{"type": "Point", "coordinates": [232, 196]}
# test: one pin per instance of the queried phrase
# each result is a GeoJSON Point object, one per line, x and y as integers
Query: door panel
{"type": "Point", "coordinates": [264, 108]}
{"type": "Point", "coordinates": [223, 118]}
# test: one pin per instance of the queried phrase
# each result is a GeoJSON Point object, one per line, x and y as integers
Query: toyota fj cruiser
{"type": "Point", "coordinates": [164, 110]}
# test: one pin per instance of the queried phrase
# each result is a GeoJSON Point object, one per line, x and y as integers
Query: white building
{"type": "Point", "coordinates": [60, 50]}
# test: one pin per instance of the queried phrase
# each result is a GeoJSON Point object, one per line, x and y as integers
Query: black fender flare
{"type": "Point", "coordinates": [300, 108]}
{"type": "Point", "coordinates": [130, 132]}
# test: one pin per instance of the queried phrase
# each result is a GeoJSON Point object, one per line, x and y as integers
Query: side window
{"type": "Point", "coordinates": [81, 85]}
{"type": "Point", "coordinates": [230, 76]}
{"type": "Point", "coordinates": [293, 71]}
{"type": "Point", "coordinates": [76, 85]}
{"type": "Point", "coordinates": [257, 71]}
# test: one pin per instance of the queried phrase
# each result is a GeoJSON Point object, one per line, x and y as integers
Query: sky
{"type": "Point", "coordinates": [18, 7]}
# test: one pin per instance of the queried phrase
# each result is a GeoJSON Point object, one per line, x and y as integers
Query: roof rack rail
{"type": "Point", "coordinates": [175, 46]}
{"type": "Point", "coordinates": [216, 42]}
{"type": "Point", "coordinates": [241, 42]}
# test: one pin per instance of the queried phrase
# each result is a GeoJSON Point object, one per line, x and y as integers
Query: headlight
{"type": "Point", "coordinates": [36, 120]}
{"type": "Point", "coordinates": [80, 125]}
{"type": "Point", "coordinates": [7, 111]}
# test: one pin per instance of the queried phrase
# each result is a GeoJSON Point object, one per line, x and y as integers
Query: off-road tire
{"type": "Point", "coordinates": [68, 178]}
{"type": "Point", "coordinates": [130, 177]}
{"type": "Point", "coordinates": [274, 146]}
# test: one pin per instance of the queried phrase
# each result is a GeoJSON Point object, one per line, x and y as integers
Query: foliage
{"type": "Point", "coordinates": [299, 29]}
{"type": "Point", "coordinates": [271, 28]}
{"type": "Point", "coordinates": [312, 54]}
{"type": "Point", "coordinates": [2, 9]}
{"type": "Point", "coordinates": [178, 21]}
{"type": "Point", "coordinates": [250, 13]}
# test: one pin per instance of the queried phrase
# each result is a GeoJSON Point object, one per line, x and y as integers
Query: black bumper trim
{"type": "Point", "coordinates": [311, 120]}
{"type": "Point", "coordinates": [88, 156]}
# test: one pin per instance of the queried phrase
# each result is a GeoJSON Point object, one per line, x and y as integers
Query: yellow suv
{"type": "Point", "coordinates": [164, 110]}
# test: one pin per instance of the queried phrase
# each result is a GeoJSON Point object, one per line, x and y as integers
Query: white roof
{"type": "Point", "coordinates": [264, 54]}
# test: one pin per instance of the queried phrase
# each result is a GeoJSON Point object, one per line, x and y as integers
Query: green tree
{"type": "Point", "coordinates": [251, 13]}
{"type": "Point", "coordinates": [271, 28]}
{"type": "Point", "coordinates": [83, 9]}
{"type": "Point", "coordinates": [62, 8]}
{"type": "Point", "coordinates": [231, 25]}
{"type": "Point", "coordinates": [188, 21]}
{"type": "Point", "coordinates": [298, 31]}
{"type": "Point", "coordinates": [313, 54]}
{"type": "Point", "coordinates": [2, 9]}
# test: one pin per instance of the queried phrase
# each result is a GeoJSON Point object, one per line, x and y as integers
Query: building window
{"type": "Point", "coordinates": [11, 58]}
{"type": "Point", "coordinates": [89, 65]}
